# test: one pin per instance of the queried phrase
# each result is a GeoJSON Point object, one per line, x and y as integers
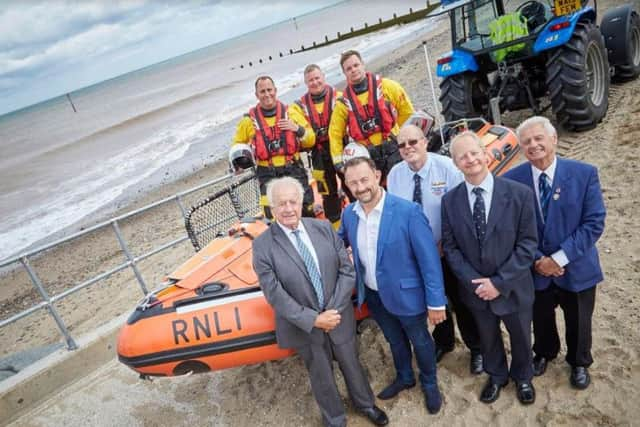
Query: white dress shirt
{"type": "Point", "coordinates": [560, 257]}
{"type": "Point", "coordinates": [487, 194]}
{"type": "Point", "coordinates": [368, 227]}
{"type": "Point", "coordinates": [438, 174]}
{"type": "Point", "coordinates": [304, 236]}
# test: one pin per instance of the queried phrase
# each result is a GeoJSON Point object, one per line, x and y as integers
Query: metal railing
{"type": "Point", "coordinates": [131, 259]}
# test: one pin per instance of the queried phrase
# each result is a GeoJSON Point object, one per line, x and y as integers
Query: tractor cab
{"type": "Point", "coordinates": [510, 55]}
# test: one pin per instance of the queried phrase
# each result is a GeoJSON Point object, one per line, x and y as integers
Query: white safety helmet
{"type": "Point", "coordinates": [421, 119]}
{"type": "Point", "coordinates": [353, 150]}
{"type": "Point", "coordinates": [241, 156]}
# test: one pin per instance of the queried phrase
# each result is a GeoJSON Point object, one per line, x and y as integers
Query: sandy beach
{"type": "Point", "coordinates": [277, 393]}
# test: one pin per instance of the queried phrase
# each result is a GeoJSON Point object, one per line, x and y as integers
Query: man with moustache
{"type": "Point", "coordinates": [307, 277]}
{"type": "Point", "coordinates": [424, 179]}
{"type": "Point", "coordinates": [276, 140]}
{"type": "Point", "coordinates": [314, 109]}
{"type": "Point", "coordinates": [489, 239]}
{"type": "Point", "coordinates": [370, 112]}
{"type": "Point", "coordinates": [398, 274]}
{"type": "Point", "coordinates": [570, 218]}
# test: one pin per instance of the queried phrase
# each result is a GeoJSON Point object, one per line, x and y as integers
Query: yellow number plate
{"type": "Point", "coordinates": [565, 7]}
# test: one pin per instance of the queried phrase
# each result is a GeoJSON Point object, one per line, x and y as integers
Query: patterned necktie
{"type": "Point", "coordinates": [545, 194]}
{"type": "Point", "coordinates": [479, 215]}
{"type": "Point", "coordinates": [417, 189]}
{"type": "Point", "coordinates": [312, 269]}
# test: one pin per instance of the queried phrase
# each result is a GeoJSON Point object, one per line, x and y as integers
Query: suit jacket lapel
{"type": "Point", "coordinates": [385, 225]}
{"type": "Point", "coordinates": [283, 241]}
{"type": "Point", "coordinates": [499, 201]}
{"type": "Point", "coordinates": [560, 180]}
{"type": "Point", "coordinates": [464, 210]}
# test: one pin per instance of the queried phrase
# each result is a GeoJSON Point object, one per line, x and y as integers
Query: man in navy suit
{"type": "Point", "coordinates": [398, 273]}
{"type": "Point", "coordinates": [570, 218]}
{"type": "Point", "coordinates": [489, 240]}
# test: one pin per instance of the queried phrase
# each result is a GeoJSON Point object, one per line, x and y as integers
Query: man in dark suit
{"type": "Point", "coordinates": [307, 277]}
{"type": "Point", "coordinates": [489, 239]}
{"type": "Point", "coordinates": [399, 274]}
{"type": "Point", "coordinates": [570, 218]}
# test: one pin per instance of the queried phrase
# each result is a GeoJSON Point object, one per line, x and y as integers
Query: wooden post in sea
{"type": "Point", "coordinates": [71, 102]}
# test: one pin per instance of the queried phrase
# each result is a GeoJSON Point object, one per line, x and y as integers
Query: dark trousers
{"type": "Point", "coordinates": [385, 156]}
{"type": "Point", "coordinates": [443, 333]}
{"type": "Point", "coordinates": [325, 173]}
{"type": "Point", "coordinates": [518, 325]}
{"type": "Point", "coordinates": [295, 170]}
{"type": "Point", "coordinates": [318, 358]}
{"type": "Point", "coordinates": [403, 332]}
{"type": "Point", "coordinates": [578, 311]}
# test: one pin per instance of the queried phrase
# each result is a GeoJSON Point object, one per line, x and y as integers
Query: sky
{"type": "Point", "coordinates": [49, 48]}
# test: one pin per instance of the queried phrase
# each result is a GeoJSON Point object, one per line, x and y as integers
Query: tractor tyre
{"type": "Point", "coordinates": [464, 96]}
{"type": "Point", "coordinates": [630, 70]}
{"type": "Point", "coordinates": [578, 79]}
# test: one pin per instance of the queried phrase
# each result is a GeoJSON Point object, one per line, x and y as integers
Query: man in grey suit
{"type": "Point", "coordinates": [489, 238]}
{"type": "Point", "coordinates": [308, 279]}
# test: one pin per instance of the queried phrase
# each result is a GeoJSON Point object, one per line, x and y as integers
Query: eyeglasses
{"type": "Point", "coordinates": [411, 142]}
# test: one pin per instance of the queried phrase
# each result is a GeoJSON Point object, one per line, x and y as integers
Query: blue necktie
{"type": "Point", "coordinates": [479, 215]}
{"type": "Point", "coordinates": [312, 269]}
{"type": "Point", "coordinates": [545, 194]}
{"type": "Point", "coordinates": [417, 189]}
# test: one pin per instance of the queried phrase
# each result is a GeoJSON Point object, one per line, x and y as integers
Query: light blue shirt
{"type": "Point", "coordinates": [487, 194]}
{"type": "Point", "coordinates": [304, 236]}
{"type": "Point", "coordinates": [438, 174]}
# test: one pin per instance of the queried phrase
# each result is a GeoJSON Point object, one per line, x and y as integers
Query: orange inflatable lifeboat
{"type": "Point", "coordinates": [211, 316]}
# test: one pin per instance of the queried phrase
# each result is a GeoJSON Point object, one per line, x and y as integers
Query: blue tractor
{"type": "Point", "coordinates": [509, 55]}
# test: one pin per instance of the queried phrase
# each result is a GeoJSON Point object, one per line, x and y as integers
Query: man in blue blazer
{"type": "Point", "coordinates": [398, 273]}
{"type": "Point", "coordinates": [489, 239]}
{"type": "Point", "coordinates": [570, 218]}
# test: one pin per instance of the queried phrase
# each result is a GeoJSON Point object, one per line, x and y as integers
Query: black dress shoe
{"type": "Point", "coordinates": [376, 415]}
{"type": "Point", "coordinates": [491, 391]}
{"type": "Point", "coordinates": [580, 378]}
{"type": "Point", "coordinates": [475, 364]}
{"type": "Point", "coordinates": [393, 389]}
{"type": "Point", "coordinates": [441, 351]}
{"type": "Point", "coordinates": [539, 365]}
{"type": "Point", "coordinates": [526, 393]}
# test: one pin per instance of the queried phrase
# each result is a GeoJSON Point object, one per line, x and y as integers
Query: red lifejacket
{"type": "Point", "coordinates": [378, 116]}
{"type": "Point", "coordinates": [270, 141]}
{"type": "Point", "coordinates": [319, 122]}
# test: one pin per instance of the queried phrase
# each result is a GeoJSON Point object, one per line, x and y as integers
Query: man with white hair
{"type": "Point", "coordinates": [570, 218]}
{"type": "Point", "coordinates": [489, 239]}
{"type": "Point", "coordinates": [307, 277]}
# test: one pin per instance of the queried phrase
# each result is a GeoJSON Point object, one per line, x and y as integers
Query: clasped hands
{"type": "Point", "coordinates": [485, 289]}
{"type": "Point", "coordinates": [328, 320]}
{"type": "Point", "coordinates": [546, 266]}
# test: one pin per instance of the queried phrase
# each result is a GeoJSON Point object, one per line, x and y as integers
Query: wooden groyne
{"type": "Point", "coordinates": [366, 28]}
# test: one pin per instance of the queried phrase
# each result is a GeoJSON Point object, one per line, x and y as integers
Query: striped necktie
{"type": "Point", "coordinates": [312, 269]}
{"type": "Point", "coordinates": [417, 189]}
{"type": "Point", "coordinates": [545, 194]}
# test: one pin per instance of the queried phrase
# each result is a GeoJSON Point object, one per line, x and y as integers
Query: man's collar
{"type": "Point", "coordinates": [550, 171]}
{"type": "Point", "coordinates": [486, 184]}
{"type": "Point", "coordinates": [360, 211]}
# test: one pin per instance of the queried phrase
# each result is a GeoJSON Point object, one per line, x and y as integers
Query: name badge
{"type": "Point", "coordinates": [438, 188]}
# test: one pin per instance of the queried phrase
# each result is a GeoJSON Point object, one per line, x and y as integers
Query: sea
{"type": "Point", "coordinates": [61, 169]}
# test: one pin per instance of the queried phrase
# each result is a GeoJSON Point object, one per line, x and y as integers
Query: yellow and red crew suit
{"type": "Point", "coordinates": [277, 151]}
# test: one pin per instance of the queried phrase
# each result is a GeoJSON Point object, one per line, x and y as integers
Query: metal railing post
{"type": "Point", "coordinates": [181, 206]}
{"type": "Point", "coordinates": [127, 253]}
{"type": "Point", "coordinates": [71, 344]}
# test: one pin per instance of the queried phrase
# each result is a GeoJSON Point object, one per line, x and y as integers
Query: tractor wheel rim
{"type": "Point", "coordinates": [635, 46]}
{"type": "Point", "coordinates": [595, 74]}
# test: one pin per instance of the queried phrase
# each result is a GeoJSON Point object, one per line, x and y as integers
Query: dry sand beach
{"type": "Point", "coordinates": [277, 393]}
